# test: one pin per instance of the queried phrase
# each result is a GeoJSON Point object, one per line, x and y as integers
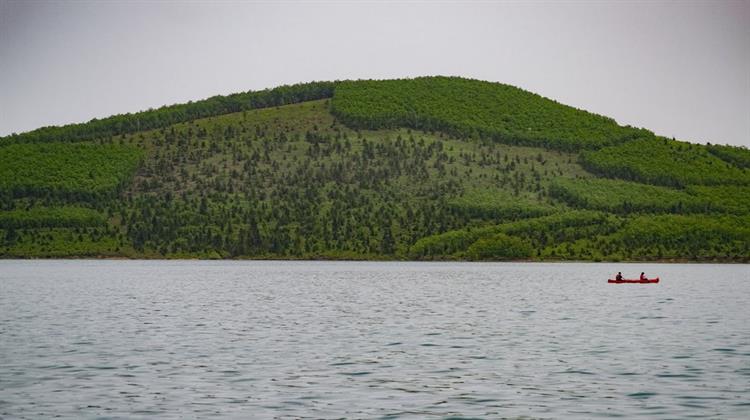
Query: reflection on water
{"type": "Point", "coordinates": [85, 339]}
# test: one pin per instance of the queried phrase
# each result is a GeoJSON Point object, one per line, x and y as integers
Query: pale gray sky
{"type": "Point", "coordinates": [681, 69]}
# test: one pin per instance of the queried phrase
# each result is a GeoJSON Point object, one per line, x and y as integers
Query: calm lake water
{"type": "Point", "coordinates": [185, 339]}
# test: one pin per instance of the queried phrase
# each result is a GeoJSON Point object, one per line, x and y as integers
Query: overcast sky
{"type": "Point", "coordinates": [681, 69]}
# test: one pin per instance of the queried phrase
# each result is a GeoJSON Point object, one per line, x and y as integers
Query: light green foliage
{"type": "Point", "coordinates": [499, 247]}
{"type": "Point", "coordinates": [562, 227]}
{"type": "Point", "coordinates": [623, 196]}
{"type": "Point", "coordinates": [683, 236]}
{"type": "Point", "coordinates": [491, 204]}
{"type": "Point", "coordinates": [684, 229]}
{"type": "Point", "coordinates": [723, 198]}
{"type": "Point", "coordinates": [628, 197]}
{"type": "Point", "coordinates": [661, 161]}
{"type": "Point", "coordinates": [78, 170]}
{"type": "Point", "coordinates": [37, 217]}
{"type": "Point", "coordinates": [473, 108]}
{"type": "Point", "coordinates": [449, 244]}
{"type": "Point", "coordinates": [662, 237]}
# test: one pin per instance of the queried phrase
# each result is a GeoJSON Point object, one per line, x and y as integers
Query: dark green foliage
{"type": "Point", "coordinates": [62, 242]}
{"type": "Point", "coordinates": [37, 217]}
{"type": "Point", "coordinates": [172, 114]}
{"type": "Point", "coordinates": [473, 108]}
{"type": "Point", "coordinates": [660, 161]}
{"type": "Point", "coordinates": [77, 171]}
{"type": "Point", "coordinates": [738, 156]}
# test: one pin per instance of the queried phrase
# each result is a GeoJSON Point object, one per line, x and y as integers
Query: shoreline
{"type": "Point", "coordinates": [387, 260]}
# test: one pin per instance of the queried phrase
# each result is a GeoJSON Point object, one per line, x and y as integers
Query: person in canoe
{"type": "Point", "coordinates": [618, 277]}
{"type": "Point", "coordinates": [643, 276]}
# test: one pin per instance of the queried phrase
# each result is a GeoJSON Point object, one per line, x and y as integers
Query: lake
{"type": "Point", "coordinates": [262, 339]}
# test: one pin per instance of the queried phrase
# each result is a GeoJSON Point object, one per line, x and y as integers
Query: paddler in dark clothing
{"type": "Point", "coordinates": [618, 277]}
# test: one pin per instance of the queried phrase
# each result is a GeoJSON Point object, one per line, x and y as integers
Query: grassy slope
{"type": "Point", "coordinates": [298, 173]}
{"type": "Point", "coordinates": [293, 182]}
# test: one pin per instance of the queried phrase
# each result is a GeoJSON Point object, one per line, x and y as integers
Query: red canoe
{"type": "Point", "coordinates": [656, 280]}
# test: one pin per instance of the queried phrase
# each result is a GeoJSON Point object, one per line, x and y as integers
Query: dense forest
{"type": "Point", "coordinates": [429, 168]}
{"type": "Point", "coordinates": [475, 109]}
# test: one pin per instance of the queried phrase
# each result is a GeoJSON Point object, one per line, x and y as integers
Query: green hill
{"type": "Point", "coordinates": [428, 168]}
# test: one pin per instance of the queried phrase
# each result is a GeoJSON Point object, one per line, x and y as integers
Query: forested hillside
{"type": "Point", "coordinates": [429, 168]}
{"type": "Point", "coordinates": [475, 109]}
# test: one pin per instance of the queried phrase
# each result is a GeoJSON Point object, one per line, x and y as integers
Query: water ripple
{"type": "Point", "coordinates": [194, 339]}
